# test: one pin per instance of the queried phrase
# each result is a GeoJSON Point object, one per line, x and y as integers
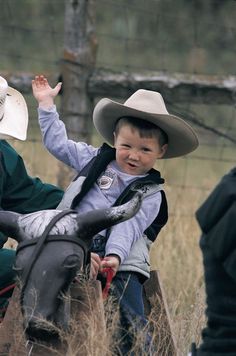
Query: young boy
{"type": "Point", "coordinates": [141, 131]}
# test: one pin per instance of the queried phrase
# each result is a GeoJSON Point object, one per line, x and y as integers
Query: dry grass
{"type": "Point", "coordinates": [91, 335]}
{"type": "Point", "coordinates": [175, 254]}
{"type": "Point", "coordinates": [177, 257]}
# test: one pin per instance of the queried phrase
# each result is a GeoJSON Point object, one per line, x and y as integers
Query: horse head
{"type": "Point", "coordinates": [53, 248]}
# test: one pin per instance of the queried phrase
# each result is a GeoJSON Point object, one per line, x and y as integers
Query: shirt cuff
{"type": "Point", "coordinates": [49, 109]}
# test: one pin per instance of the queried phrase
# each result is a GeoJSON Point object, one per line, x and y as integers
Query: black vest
{"type": "Point", "coordinates": [98, 164]}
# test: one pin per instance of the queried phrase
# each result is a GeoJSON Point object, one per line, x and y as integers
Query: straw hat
{"type": "Point", "coordinates": [147, 105]}
{"type": "Point", "coordinates": [13, 112]}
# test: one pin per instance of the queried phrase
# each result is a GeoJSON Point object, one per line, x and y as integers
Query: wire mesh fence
{"type": "Point", "coordinates": [140, 36]}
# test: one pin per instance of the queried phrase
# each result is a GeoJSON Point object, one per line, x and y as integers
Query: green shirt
{"type": "Point", "coordinates": [18, 191]}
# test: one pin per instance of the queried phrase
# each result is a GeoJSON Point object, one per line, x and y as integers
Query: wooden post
{"type": "Point", "coordinates": [79, 59]}
{"type": "Point", "coordinates": [80, 47]}
{"type": "Point", "coordinates": [175, 87]}
{"type": "Point", "coordinates": [156, 309]}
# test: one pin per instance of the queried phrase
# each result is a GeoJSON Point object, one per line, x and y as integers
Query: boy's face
{"type": "Point", "coordinates": [136, 155]}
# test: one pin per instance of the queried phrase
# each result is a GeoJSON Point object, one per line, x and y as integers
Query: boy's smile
{"type": "Point", "coordinates": [136, 155]}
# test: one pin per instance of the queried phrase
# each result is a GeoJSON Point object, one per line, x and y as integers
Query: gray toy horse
{"type": "Point", "coordinates": [53, 248]}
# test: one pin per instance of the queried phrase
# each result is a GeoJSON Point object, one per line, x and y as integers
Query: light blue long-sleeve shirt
{"type": "Point", "coordinates": [107, 189]}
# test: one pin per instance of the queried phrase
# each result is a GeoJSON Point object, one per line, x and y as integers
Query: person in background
{"type": "Point", "coordinates": [142, 132]}
{"type": "Point", "coordinates": [18, 191]}
{"type": "Point", "coordinates": [217, 220]}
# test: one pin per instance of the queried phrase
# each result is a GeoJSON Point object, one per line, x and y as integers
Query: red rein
{"type": "Point", "coordinates": [109, 274]}
{"type": "Point", "coordinates": [6, 289]}
{"type": "Point", "coordinates": [2, 292]}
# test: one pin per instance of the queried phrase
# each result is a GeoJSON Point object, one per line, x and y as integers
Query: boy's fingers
{"type": "Point", "coordinates": [96, 265]}
{"type": "Point", "coordinates": [95, 257]}
{"type": "Point", "coordinates": [95, 260]}
{"type": "Point", "coordinates": [93, 273]}
{"type": "Point", "coordinates": [58, 86]}
{"type": "Point", "coordinates": [55, 90]}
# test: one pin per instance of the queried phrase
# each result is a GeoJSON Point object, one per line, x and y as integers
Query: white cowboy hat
{"type": "Point", "coordinates": [13, 112]}
{"type": "Point", "coordinates": [147, 105]}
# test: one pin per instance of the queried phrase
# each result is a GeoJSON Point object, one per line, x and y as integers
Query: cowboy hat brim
{"type": "Point", "coordinates": [181, 137]}
{"type": "Point", "coordinates": [14, 122]}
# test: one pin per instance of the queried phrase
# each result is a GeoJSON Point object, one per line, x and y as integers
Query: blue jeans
{"type": "Point", "coordinates": [127, 289]}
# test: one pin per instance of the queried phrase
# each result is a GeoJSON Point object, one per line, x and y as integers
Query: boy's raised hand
{"type": "Point", "coordinates": [43, 92]}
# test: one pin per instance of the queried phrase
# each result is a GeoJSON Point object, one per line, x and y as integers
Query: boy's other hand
{"type": "Point", "coordinates": [43, 92]}
{"type": "Point", "coordinates": [95, 265]}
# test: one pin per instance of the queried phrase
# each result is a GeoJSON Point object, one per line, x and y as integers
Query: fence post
{"type": "Point", "coordinates": [156, 309]}
{"type": "Point", "coordinates": [79, 58]}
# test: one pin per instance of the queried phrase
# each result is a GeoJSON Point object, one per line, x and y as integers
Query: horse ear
{"type": "Point", "coordinates": [95, 221]}
{"type": "Point", "coordinates": [9, 224]}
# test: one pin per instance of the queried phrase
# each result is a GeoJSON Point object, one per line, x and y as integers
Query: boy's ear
{"type": "Point", "coordinates": [114, 138]}
{"type": "Point", "coordinates": [163, 150]}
